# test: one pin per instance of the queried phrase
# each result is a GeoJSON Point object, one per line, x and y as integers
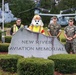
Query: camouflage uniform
{"type": "Point", "coordinates": [74, 45]}
{"type": "Point", "coordinates": [70, 31]}
{"type": "Point", "coordinates": [54, 29]}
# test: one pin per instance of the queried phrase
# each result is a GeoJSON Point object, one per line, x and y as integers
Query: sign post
{"type": "Point", "coordinates": [3, 34]}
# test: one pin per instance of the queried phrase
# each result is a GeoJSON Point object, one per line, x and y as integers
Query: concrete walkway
{"type": "Point", "coordinates": [7, 31]}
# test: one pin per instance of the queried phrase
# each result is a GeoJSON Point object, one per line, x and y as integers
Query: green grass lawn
{"type": "Point", "coordinates": [62, 38]}
{"type": "Point", "coordinates": [62, 34]}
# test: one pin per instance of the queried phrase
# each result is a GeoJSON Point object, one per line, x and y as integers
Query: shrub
{"type": "Point", "coordinates": [64, 63]}
{"type": "Point", "coordinates": [8, 39]}
{"type": "Point", "coordinates": [63, 40]}
{"type": "Point", "coordinates": [35, 66]}
{"type": "Point", "coordinates": [8, 25]}
{"type": "Point", "coordinates": [4, 47]}
{"type": "Point", "coordinates": [9, 62]}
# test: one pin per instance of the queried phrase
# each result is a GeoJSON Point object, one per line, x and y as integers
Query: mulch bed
{"type": "Point", "coordinates": [3, 52]}
{"type": "Point", "coordinates": [57, 73]}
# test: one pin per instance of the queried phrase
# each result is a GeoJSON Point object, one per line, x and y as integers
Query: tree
{"type": "Point", "coordinates": [17, 6]}
{"type": "Point", "coordinates": [66, 4]}
{"type": "Point", "coordinates": [20, 6]}
{"type": "Point", "coordinates": [46, 4]}
{"type": "Point", "coordinates": [23, 5]}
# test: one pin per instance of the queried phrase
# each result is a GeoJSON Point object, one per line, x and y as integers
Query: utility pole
{"type": "Point", "coordinates": [3, 32]}
{"type": "Point", "coordinates": [75, 16]}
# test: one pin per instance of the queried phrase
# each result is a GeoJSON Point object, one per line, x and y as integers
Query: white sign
{"type": "Point", "coordinates": [28, 44]}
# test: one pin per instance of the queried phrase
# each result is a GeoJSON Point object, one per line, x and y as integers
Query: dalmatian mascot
{"type": "Point", "coordinates": [37, 25]}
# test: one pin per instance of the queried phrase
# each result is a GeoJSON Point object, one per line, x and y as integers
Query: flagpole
{"type": "Point", "coordinates": [3, 34]}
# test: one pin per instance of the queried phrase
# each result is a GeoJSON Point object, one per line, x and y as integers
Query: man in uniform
{"type": "Point", "coordinates": [54, 29]}
{"type": "Point", "coordinates": [70, 34]}
{"type": "Point", "coordinates": [16, 26]}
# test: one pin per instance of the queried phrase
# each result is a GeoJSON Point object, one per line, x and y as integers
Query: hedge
{"type": "Point", "coordinates": [35, 66]}
{"type": "Point", "coordinates": [4, 47]}
{"type": "Point", "coordinates": [8, 39]}
{"type": "Point", "coordinates": [9, 62]}
{"type": "Point", "coordinates": [64, 63]}
{"type": "Point", "coordinates": [63, 40]}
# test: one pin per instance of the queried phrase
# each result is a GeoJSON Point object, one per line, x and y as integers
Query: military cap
{"type": "Point", "coordinates": [18, 19]}
{"type": "Point", "coordinates": [71, 19]}
{"type": "Point", "coordinates": [54, 17]}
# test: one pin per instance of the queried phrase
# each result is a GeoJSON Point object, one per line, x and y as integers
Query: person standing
{"type": "Point", "coordinates": [16, 26]}
{"type": "Point", "coordinates": [70, 35]}
{"type": "Point", "coordinates": [54, 29]}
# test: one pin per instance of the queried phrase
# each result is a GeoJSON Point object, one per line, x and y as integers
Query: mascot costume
{"type": "Point", "coordinates": [37, 25]}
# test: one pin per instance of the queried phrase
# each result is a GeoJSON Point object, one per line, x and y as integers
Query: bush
{"type": "Point", "coordinates": [62, 37]}
{"type": "Point", "coordinates": [9, 62]}
{"type": "Point", "coordinates": [4, 47]}
{"type": "Point", "coordinates": [35, 66]}
{"type": "Point", "coordinates": [63, 40]}
{"type": "Point", "coordinates": [8, 25]}
{"type": "Point", "coordinates": [64, 63]}
{"type": "Point", "coordinates": [8, 39]}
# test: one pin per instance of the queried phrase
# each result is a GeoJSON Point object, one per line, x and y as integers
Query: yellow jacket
{"type": "Point", "coordinates": [15, 28]}
{"type": "Point", "coordinates": [39, 29]}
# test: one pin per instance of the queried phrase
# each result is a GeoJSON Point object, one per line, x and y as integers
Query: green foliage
{"type": "Point", "coordinates": [35, 66]}
{"type": "Point", "coordinates": [62, 37]}
{"type": "Point", "coordinates": [63, 40]}
{"type": "Point", "coordinates": [23, 5]}
{"type": "Point", "coordinates": [4, 47]}
{"type": "Point", "coordinates": [66, 4]}
{"type": "Point", "coordinates": [46, 4]}
{"type": "Point", "coordinates": [64, 63]}
{"type": "Point", "coordinates": [8, 39]}
{"type": "Point", "coordinates": [8, 25]}
{"type": "Point", "coordinates": [9, 62]}
{"type": "Point", "coordinates": [20, 6]}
